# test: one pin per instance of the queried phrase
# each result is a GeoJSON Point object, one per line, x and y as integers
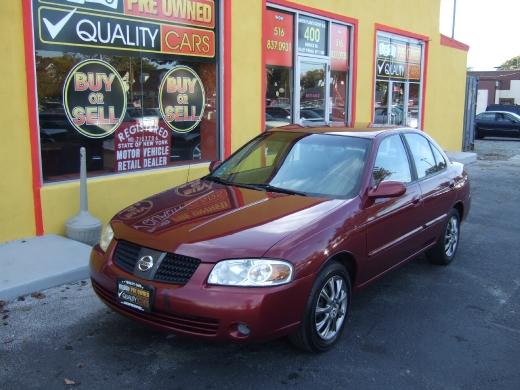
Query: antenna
{"type": "Point", "coordinates": [188, 174]}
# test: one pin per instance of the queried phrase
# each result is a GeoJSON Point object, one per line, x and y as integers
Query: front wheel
{"type": "Point", "coordinates": [326, 311]}
{"type": "Point", "coordinates": [446, 247]}
{"type": "Point", "coordinates": [478, 134]}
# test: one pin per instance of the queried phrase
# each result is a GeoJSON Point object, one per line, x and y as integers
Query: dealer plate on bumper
{"type": "Point", "coordinates": [134, 295]}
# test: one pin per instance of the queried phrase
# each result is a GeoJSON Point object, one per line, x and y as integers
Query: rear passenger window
{"type": "Point", "coordinates": [440, 161]}
{"type": "Point", "coordinates": [391, 161]}
{"type": "Point", "coordinates": [422, 155]}
{"type": "Point", "coordinates": [485, 116]}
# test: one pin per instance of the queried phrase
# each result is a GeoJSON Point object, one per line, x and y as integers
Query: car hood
{"type": "Point", "coordinates": [211, 221]}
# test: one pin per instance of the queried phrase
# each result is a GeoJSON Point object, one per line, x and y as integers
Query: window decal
{"type": "Point", "coordinates": [182, 99]}
{"type": "Point", "coordinates": [94, 98]}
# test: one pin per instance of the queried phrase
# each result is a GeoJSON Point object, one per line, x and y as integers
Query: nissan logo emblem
{"type": "Point", "coordinates": [145, 263]}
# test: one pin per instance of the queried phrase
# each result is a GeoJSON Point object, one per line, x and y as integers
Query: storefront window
{"type": "Point", "coordinates": [279, 68]}
{"type": "Point", "coordinates": [398, 81]}
{"type": "Point", "coordinates": [320, 64]}
{"type": "Point", "coordinates": [136, 88]}
{"type": "Point", "coordinates": [339, 66]}
{"type": "Point", "coordinates": [279, 97]}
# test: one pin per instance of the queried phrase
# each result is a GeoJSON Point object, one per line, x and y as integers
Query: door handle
{"type": "Point", "coordinates": [452, 184]}
{"type": "Point", "coordinates": [416, 200]}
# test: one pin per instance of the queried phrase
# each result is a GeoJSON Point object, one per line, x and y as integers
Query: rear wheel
{"type": "Point", "coordinates": [478, 134]}
{"type": "Point", "coordinates": [326, 311]}
{"type": "Point", "coordinates": [446, 247]}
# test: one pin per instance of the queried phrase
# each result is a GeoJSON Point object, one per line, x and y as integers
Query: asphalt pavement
{"type": "Point", "coordinates": [420, 327]}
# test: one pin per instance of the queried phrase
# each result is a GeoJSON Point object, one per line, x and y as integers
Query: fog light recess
{"type": "Point", "coordinates": [239, 330]}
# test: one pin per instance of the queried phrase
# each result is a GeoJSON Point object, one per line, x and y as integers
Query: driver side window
{"type": "Point", "coordinates": [391, 161]}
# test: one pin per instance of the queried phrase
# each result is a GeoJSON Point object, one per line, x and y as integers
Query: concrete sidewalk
{"type": "Point", "coordinates": [462, 157]}
{"type": "Point", "coordinates": [38, 263]}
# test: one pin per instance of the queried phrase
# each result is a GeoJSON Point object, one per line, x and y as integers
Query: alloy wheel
{"type": "Point", "coordinates": [451, 238]}
{"type": "Point", "coordinates": [331, 308]}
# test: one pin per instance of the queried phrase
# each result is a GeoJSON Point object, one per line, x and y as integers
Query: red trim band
{"type": "Point", "coordinates": [32, 112]}
{"type": "Point", "coordinates": [263, 73]}
{"type": "Point", "coordinates": [227, 77]}
{"type": "Point", "coordinates": [453, 43]}
{"type": "Point", "coordinates": [331, 15]}
{"type": "Point", "coordinates": [398, 31]}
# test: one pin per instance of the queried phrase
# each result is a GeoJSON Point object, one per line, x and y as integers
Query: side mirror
{"type": "Point", "coordinates": [387, 189]}
{"type": "Point", "coordinates": [214, 165]}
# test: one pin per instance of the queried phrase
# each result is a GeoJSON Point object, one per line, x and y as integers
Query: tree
{"type": "Point", "coordinates": [511, 64]}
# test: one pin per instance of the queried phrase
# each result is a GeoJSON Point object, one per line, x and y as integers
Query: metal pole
{"type": "Point", "coordinates": [83, 200]}
{"type": "Point", "coordinates": [454, 14]}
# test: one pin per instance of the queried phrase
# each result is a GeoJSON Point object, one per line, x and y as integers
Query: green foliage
{"type": "Point", "coordinates": [511, 64]}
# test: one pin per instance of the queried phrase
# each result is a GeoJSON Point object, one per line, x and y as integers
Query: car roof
{"type": "Point", "coordinates": [361, 131]}
{"type": "Point", "coordinates": [498, 112]}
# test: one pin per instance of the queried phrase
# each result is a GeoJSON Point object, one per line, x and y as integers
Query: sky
{"type": "Point", "coordinates": [490, 28]}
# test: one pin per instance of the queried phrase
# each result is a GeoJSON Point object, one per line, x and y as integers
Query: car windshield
{"type": "Point", "coordinates": [322, 165]}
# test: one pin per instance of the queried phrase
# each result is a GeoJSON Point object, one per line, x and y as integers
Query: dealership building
{"type": "Point", "coordinates": [156, 89]}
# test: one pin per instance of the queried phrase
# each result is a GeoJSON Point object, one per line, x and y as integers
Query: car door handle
{"type": "Point", "coordinates": [452, 184]}
{"type": "Point", "coordinates": [416, 200]}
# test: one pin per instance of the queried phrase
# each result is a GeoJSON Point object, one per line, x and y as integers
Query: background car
{"type": "Point", "coordinates": [514, 108]}
{"type": "Point", "coordinates": [497, 124]}
{"type": "Point", "coordinates": [276, 238]}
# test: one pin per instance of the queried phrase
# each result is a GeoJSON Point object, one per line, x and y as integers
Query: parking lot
{"type": "Point", "coordinates": [421, 327]}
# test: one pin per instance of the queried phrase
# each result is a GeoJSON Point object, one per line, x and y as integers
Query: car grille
{"type": "Point", "coordinates": [176, 322]}
{"type": "Point", "coordinates": [126, 255]}
{"type": "Point", "coordinates": [175, 269]}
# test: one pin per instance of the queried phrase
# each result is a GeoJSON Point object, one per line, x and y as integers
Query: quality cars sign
{"type": "Point", "coordinates": [397, 59]}
{"type": "Point", "coordinates": [158, 26]}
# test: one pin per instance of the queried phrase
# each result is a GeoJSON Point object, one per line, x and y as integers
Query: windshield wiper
{"type": "Point", "coordinates": [216, 179]}
{"type": "Point", "coordinates": [231, 183]}
{"type": "Point", "coordinates": [269, 187]}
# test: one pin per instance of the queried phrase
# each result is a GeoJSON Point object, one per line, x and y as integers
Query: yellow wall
{"type": "Point", "coordinates": [16, 207]}
{"type": "Point", "coordinates": [446, 77]}
{"type": "Point", "coordinates": [107, 195]}
{"type": "Point", "coordinates": [446, 90]}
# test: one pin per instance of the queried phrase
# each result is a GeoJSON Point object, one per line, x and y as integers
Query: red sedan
{"type": "Point", "coordinates": [274, 240]}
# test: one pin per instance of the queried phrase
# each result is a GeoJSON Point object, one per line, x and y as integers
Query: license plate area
{"type": "Point", "coordinates": [134, 295]}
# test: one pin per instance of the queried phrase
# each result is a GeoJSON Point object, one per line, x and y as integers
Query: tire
{"type": "Point", "coordinates": [446, 247]}
{"type": "Point", "coordinates": [323, 320]}
{"type": "Point", "coordinates": [478, 134]}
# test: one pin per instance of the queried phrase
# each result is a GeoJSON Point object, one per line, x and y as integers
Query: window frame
{"type": "Point", "coordinates": [409, 150]}
{"type": "Point", "coordinates": [221, 134]}
{"type": "Point", "coordinates": [383, 31]}
{"type": "Point", "coordinates": [350, 86]}
{"type": "Point", "coordinates": [434, 148]}
{"type": "Point", "coordinates": [413, 176]}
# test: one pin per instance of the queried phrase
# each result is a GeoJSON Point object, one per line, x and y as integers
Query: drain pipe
{"type": "Point", "coordinates": [83, 227]}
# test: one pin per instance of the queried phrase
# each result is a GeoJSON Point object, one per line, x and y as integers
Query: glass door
{"type": "Point", "coordinates": [412, 113]}
{"type": "Point", "coordinates": [392, 105]}
{"type": "Point", "coordinates": [397, 110]}
{"type": "Point", "coordinates": [312, 105]}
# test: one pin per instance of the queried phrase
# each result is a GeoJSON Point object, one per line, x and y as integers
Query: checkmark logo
{"type": "Point", "coordinates": [55, 28]}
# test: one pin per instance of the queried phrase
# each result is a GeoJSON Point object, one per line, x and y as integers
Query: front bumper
{"type": "Point", "coordinates": [211, 312]}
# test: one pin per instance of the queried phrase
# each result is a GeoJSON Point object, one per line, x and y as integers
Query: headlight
{"type": "Point", "coordinates": [251, 272]}
{"type": "Point", "coordinates": [106, 237]}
